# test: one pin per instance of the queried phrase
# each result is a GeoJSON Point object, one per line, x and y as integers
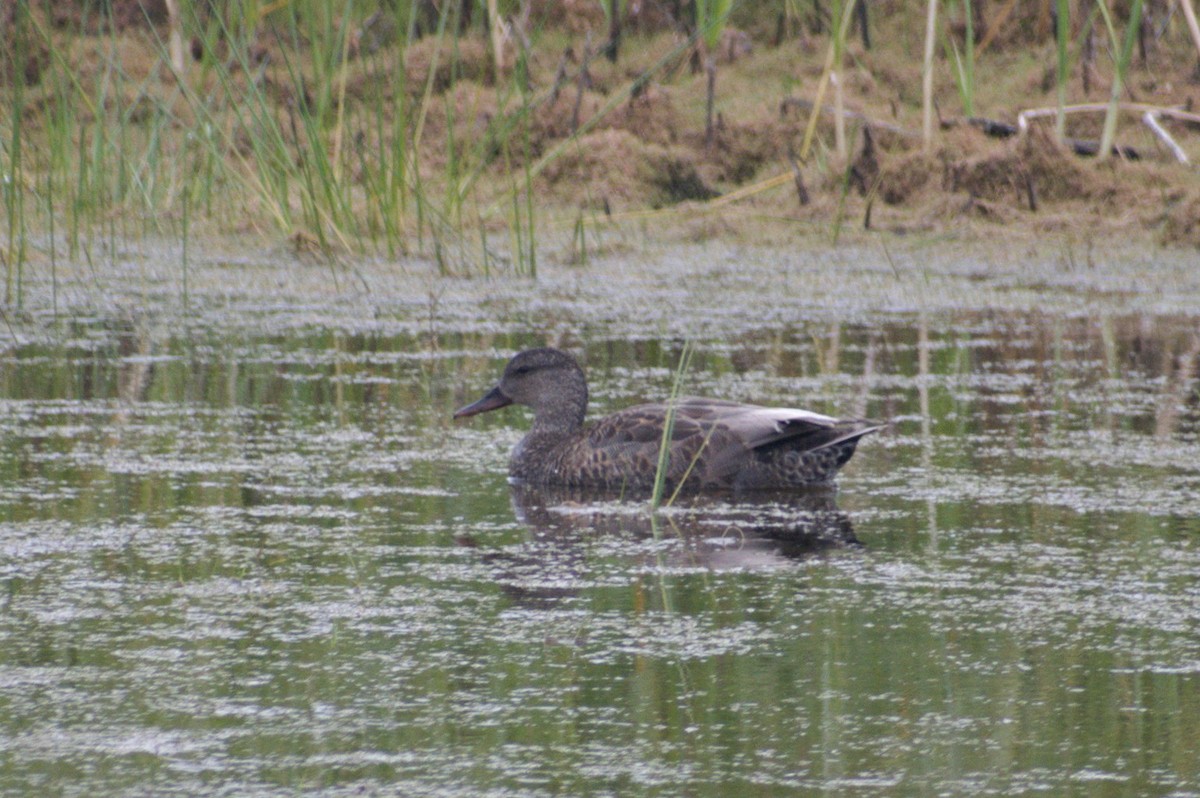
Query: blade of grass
{"type": "Point", "coordinates": [14, 192]}
{"type": "Point", "coordinates": [710, 22]}
{"type": "Point", "coordinates": [927, 75]}
{"type": "Point", "coordinates": [1062, 38]}
{"type": "Point", "coordinates": [691, 466]}
{"type": "Point", "coordinates": [964, 62]}
{"type": "Point", "coordinates": [664, 447]}
{"type": "Point", "coordinates": [1189, 15]}
{"type": "Point", "coordinates": [841, 31]}
{"type": "Point", "coordinates": [1120, 69]}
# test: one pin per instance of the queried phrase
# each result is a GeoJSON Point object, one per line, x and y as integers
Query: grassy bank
{"type": "Point", "coordinates": [411, 129]}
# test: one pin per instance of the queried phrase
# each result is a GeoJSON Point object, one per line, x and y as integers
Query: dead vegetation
{"type": "Point", "coordinates": [630, 135]}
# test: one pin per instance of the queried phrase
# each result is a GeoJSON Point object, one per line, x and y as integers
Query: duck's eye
{"type": "Point", "coordinates": [522, 369]}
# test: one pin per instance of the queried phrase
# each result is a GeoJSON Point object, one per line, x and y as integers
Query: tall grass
{"type": "Point", "coordinates": [1124, 50]}
{"type": "Point", "coordinates": [964, 61]}
{"type": "Point", "coordinates": [614, 12]}
{"type": "Point", "coordinates": [13, 187]}
{"type": "Point", "coordinates": [663, 469]}
{"type": "Point", "coordinates": [282, 144]}
{"type": "Point", "coordinates": [838, 45]}
{"type": "Point", "coordinates": [523, 223]}
{"type": "Point", "coordinates": [711, 16]}
{"type": "Point", "coordinates": [927, 75]}
{"type": "Point", "coordinates": [329, 139]}
{"type": "Point", "coordinates": [1062, 38]}
{"type": "Point", "coordinates": [832, 64]}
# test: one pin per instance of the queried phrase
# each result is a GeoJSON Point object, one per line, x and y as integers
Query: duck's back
{"type": "Point", "coordinates": [714, 444]}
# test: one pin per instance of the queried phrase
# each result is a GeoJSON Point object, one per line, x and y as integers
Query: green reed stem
{"type": "Point", "coordinates": [843, 26]}
{"type": "Point", "coordinates": [579, 241]}
{"type": "Point", "coordinates": [664, 446]}
{"type": "Point", "coordinates": [530, 221]}
{"type": "Point", "coordinates": [184, 258]}
{"type": "Point", "coordinates": [13, 178]}
{"type": "Point", "coordinates": [927, 76]}
{"type": "Point", "coordinates": [1062, 38]}
{"type": "Point", "coordinates": [1121, 67]}
{"type": "Point", "coordinates": [691, 466]}
{"type": "Point", "coordinates": [964, 62]}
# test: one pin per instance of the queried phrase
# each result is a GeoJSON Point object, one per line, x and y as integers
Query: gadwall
{"type": "Point", "coordinates": [714, 444]}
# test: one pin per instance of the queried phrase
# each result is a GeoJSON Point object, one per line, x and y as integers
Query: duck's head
{"type": "Point", "coordinates": [547, 380]}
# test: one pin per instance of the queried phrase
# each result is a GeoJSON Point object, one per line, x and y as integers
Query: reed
{"type": "Point", "coordinates": [831, 64]}
{"type": "Point", "coordinates": [14, 198]}
{"type": "Point", "coordinates": [839, 216]}
{"type": "Point", "coordinates": [711, 16]}
{"type": "Point", "coordinates": [579, 245]}
{"type": "Point", "coordinates": [330, 139]}
{"type": "Point", "coordinates": [111, 145]}
{"type": "Point", "coordinates": [838, 44]}
{"type": "Point", "coordinates": [964, 61]}
{"type": "Point", "coordinates": [183, 258]}
{"type": "Point", "coordinates": [1062, 36]}
{"type": "Point", "coordinates": [662, 471]}
{"type": "Point", "coordinates": [1124, 50]}
{"type": "Point", "coordinates": [521, 229]}
{"type": "Point", "coordinates": [927, 75]}
{"type": "Point", "coordinates": [614, 12]}
{"type": "Point", "coordinates": [339, 173]}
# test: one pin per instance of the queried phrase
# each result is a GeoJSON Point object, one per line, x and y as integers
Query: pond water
{"type": "Point", "coordinates": [244, 549]}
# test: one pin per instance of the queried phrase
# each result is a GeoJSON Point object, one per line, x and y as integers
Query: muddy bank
{"type": "Point", "coordinates": [552, 117]}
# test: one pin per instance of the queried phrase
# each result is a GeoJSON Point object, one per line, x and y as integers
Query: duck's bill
{"type": "Point", "coordinates": [493, 401]}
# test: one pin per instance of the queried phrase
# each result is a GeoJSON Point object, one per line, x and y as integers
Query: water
{"type": "Point", "coordinates": [243, 549]}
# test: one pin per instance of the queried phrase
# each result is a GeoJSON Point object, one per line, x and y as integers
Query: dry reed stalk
{"type": "Point", "coordinates": [1189, 13]}
{"type": "Point", "coordinates": [496, 25]}
{"type": "Point", "coordinates": [927, 76]}
{"type": "Point", "coordinates": [826, 73]}
{"type": "Point", "coordinates": [175, 38]}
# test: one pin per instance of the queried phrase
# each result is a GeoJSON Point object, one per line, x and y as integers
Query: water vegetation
{"type": "Point", "coordinates": [467, 130]}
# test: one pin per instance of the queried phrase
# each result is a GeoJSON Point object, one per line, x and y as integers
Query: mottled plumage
{"type": "Point", "coordinates": [714, 444]}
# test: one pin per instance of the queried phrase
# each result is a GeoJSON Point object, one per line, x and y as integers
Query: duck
{"type": "Point", "coordinates": [712, 444]}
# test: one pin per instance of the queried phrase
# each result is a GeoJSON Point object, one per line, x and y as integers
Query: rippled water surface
{"type": "Point", "coordinates": [244, 550]}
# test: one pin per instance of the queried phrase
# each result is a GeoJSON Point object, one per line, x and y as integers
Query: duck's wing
{"type": "Point", "coordinates": [754, 426]}
{"type": "Point", "coordinates": [624, 447]}
{"type": "Point", "coordinates": [643, 425]}
{"type": "Point", "coordinates": [712, 438]}
{"type": "Point", "coordinates": [736, 430]}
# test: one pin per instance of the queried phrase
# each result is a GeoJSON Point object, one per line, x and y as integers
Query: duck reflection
{"type": "Point", "coordinates": [574, 532]}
